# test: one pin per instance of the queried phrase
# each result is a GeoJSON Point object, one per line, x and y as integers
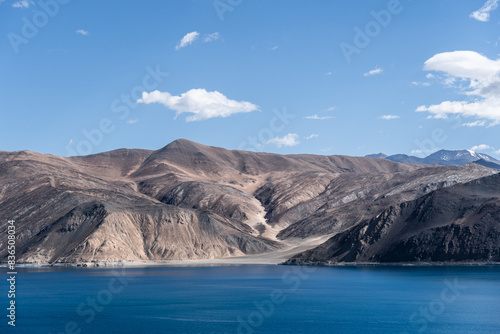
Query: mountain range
{"type": "Point", "coordinates": [191, 201]}
{"type": "Point", "coordinates": [443, 157]}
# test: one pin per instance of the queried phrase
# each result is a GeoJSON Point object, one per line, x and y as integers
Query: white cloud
{"type": "Point", "coordinates": [473, 124]}
{"type": "Point", "coordinates": [423, 153]}
{"type": "Point", "coordinates": [463, 64]}
{"type": "Point", "coordinates": [131, 121]}
{"type": "Point", "coordinates": [497, 152]}
{"type": "Point", "coordinates": [212, 37]}
{"type": "Point", "coordinates": [416, 83]}
{"type": "Point", "coordinates": [82, 32]}
{"type": "Point", "coordinates": [202, 104]}
{"type": "Point", "coordinates": [483, 77]}
{"type": "Point", "coordinates": [187, 39]}
{"type": "Point", "coordinates": [429, 76]}
{"type": "Point", "coordinates": [327, 74]}
{"type": "Point", "coordinates": [274, 48]}
{"type": "Point", "coordinates": [388, 117]}
{"type": "Point", "coordinates": [311, 136]}
{"type": "Point", "coordinates": [481, 147]}
{"type": "Point", "coordinates": [331, 109]}
{"type": "Point", "coordinates": [290, 139]}
{"type": "Point", "coordinates": [375, 71]}
{"type": "Point", "coordinates": [483, 14]}
{"type": "Point", "coordinates": [22, 4]}
{"type": "Point", "coordinates": [316, 116]}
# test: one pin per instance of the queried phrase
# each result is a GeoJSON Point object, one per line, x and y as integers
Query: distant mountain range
{"type": "Point", "coordinates": [443, 157]}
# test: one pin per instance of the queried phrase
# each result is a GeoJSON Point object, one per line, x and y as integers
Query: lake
{"type": "Point", "coordinates": [257, 299]}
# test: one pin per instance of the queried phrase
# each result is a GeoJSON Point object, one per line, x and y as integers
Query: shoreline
{"type": "Point", "coordinates": [236, 262]}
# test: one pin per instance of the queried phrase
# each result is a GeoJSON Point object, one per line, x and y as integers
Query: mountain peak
{"type": "Point", "coordinates": [181, 142]}
{"type": "Point", "coordinates": [445, 157]}
{"type": "Point", "coordinates": [182, 145]}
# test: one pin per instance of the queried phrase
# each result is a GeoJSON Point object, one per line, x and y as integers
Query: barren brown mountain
{"type": "Point", "coordinates": [455, 224]}
{"type": "Point", "coordinates": [190, 201]}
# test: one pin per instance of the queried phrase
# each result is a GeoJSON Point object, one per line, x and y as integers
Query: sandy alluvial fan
{"type": "Point", "coordinates": [190, 201]}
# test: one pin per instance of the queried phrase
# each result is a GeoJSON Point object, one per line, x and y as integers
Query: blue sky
{"type": "Point", "coordinates": [321, 77]}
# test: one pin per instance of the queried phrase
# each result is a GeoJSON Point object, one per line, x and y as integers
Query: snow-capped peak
{"type": "Point", "coordinates": [474, 154]}
{"type": "Point", "coordinates": [484, 157]}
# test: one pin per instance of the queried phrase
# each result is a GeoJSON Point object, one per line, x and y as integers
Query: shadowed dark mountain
{"type": "Point", "coordinates": [454, 224]}
{"type": "Point", "coordinates": [488, 164]}
{"type": "Point", "coordinates": [191, 201]}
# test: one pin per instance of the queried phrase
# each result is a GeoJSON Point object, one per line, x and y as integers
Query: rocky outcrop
{"type": "Point", "coordinates": [455, 224]}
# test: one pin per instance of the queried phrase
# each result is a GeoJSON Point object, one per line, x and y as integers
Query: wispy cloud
{"type": "Point", "coordinates": [82, 32]}
{"type": "Point", "coordinates": [388, 117]}
{"type": "Point", "coordinates": [332, 108]}
{"type": "Point", "coordinates": [274, 48]}
{"type": "Point", "coordinates": [22, 4]}
{"type": "Point", "coordinates": [375, 71]}
{"type": "Point", "coordinates": [202, 104]}
{"type": "Point", "coordinates": [189, 38]}
{"type": "Point", "coordinates": [311, 136]}
{"type": "Point", "coordinates": [483, 76]}
{"type": "Point", "coordinates": [131, 121]}
{"type": "Point", "coordinates": [212, 37]}
{"type": "Point", "coordinates": [327, 74]}
{"type": "Point", "coordinates": [416, 83]}
{"type": "Point", "coordinates": [290, 139]}
{"type": "Point", "coordinates": [483, 13]}
{"type": "Point", "coordinates": [474, 124]}
{"type": "Point", "coordinates": [316, 116]}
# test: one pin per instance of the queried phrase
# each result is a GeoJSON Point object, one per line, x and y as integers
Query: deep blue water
{"type": "Point", "coordinates": [257, 299]}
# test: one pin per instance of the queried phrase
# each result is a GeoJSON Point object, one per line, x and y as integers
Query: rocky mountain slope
{"type": "Point", "coordinates": [454, 224]}
{"type": "Point", "coordinates": [190, 201]}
